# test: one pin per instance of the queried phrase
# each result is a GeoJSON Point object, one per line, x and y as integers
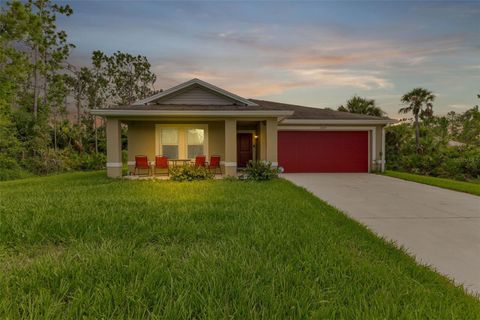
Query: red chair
{"type": "Point", "coordinates": [214, 164]}
{"type": "Point", "coordinates": [200, 161]}
{"type": "Point", "coordinates": [161, 162]}
{"type": "Point", "coordinates": [141, 163]}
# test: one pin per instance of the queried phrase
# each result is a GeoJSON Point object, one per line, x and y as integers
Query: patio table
{"type": "Point", "coordinates": [175, 162]}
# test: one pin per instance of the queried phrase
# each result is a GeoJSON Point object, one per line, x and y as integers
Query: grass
{"type": "Point", "coordinates": [83, 246]}
{"type": "Point", "coordinates": [462, 186]}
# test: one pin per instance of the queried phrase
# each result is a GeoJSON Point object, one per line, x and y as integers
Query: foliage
{"type": "Point", "coordinates": [360, 105]}
{"type": "Point", "coordinates": [80, 245]}
{"type": "Point", "coordinates": [259, 170]}
{"type": "Point", "coordinates": [462, 186]}
{"type": "Point", "coordinates": [37, 82]}
{"type": "Point", "coordinates": [437, 159]}
{"type": "Point", "coordinates": [424, 148]}
{"type": "Point", "coordinates": [190, 173]}
{"type": "Point", "coordinates": [419, 102]}
{"type": "Point", "coordinates": [465, 127]}
{"type": "Point", "coordinates": [130, 77]}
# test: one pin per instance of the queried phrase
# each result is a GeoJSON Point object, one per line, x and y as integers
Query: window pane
{"type": "Point", "coordinates": [195, 150]}
{"type": "Point", "coordinates": [171, 152]}
{"type": "Point", "coordinates": [169, 136]}
{"type": "Point", "coordinates": [195, 136]}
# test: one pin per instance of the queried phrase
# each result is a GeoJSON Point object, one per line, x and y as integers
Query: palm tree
{"type": "Point", "coordinates": [360, 105]}
{"type": "Point", "coordinates": [418, 101]}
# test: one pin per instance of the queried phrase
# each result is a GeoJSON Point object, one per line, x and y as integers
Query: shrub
{"type": "Point", "coordinates": [260, 170]}
{"type": "Point", "coordinates": [10, 169]}
{"type": "Point", "coordinates": [190, 173]}
{"type": "Point", "coordinates": [461, 163]}
{"type": "Point", "coordinates": [92, 161]}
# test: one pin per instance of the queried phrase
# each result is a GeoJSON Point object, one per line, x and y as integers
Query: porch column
{"type": "Point", "coordinates": [230, 147]}
{"type": "Point", "coordinates": [271, 140]}
{"type": "Point", "coordinates": [263, 141]}
{"type": "Point", "coordinates": [114, 148]}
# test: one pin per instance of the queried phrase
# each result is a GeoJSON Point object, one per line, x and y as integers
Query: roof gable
{"type": "Point", "coordinates": [196, 95]}
{"type": "Point", "coordinates": [196, 92]}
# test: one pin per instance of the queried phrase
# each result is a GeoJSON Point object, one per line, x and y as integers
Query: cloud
{"type": "Point", "coordinates": [459, 106]}
{"type": "Point", "coordinates": [258, 82]}
{"type": "Point", "coordinates": [344, 77]}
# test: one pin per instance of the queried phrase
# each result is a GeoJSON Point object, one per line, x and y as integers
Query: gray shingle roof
{"type": "Point", "coordinates": [299, 112]}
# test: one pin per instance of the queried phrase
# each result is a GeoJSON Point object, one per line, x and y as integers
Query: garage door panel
{"type": "Point", "coordinates": [323, 151]}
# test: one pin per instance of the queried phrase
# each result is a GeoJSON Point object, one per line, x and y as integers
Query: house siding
{"type": "Point", "coordinates": [196, 96]}
{"type": "Point", "coordinates": [141, 141]}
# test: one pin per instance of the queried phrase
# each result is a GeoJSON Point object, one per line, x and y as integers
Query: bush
{"type": "Point", "coordinates": [190, 173]}
{"type": "Point", "coordinates": [92, 161]}
{"type": "Point", "coordinates": [51, 161]}
{"type": "Point", "coordinates": [10, 169]}
{"type": "Point", "coordinates": [260, 171]}
{"type": "Point", "coordinates": [461, 163]}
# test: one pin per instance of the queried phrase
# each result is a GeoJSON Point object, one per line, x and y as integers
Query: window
{"type": "Point", "coordinates": [170, 143]}
{"type": "Point", "coordinates": [195, 142]}
{"type": "Point", "coordinates": [181, 141]}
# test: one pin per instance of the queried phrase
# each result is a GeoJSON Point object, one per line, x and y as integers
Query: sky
{"type": "Point", "coordinates": [308, 53]}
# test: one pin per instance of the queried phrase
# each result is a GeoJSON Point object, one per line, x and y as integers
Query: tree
{"type": "Point", "coordinates": [48, 48]}
{"type": "Point", "coordinates": [419, 102]}
{"type": "Point", "coordinates": [79, 83]}
{"type": "Point", "coordinates": [98, 92]}
{"type": "Point", "coordinates": [13, 71]}
{"type": "Point", "coordinates": [470, 124]}
{"type": "Point", "coordinates": [130, 76]}
{"type": "Point", "coordinates": [360, 105]}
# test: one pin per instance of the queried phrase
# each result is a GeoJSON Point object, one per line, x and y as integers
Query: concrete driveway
{"type": "Point", "coordinates": [438, 226]}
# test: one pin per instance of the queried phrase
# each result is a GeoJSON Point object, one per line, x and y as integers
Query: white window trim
{"type": "Point", "coordinates": [182, 138]}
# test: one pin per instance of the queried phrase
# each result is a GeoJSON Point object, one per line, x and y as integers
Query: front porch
{"type": "Point", "coordinates": [235, 140]}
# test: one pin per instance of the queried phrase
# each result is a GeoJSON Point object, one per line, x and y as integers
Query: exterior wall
{"type": "Point", "coordinates": [142, 138]}
{"type": "Point", "coordinates": [196, 96]}
{"type": "Point", "coordinates": [141, 141]}
{"type": "Point", "coordinates": [216, 138]}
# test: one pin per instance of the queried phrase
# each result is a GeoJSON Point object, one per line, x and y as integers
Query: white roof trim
{"type": "Point", "coordinates": [337, 121]}
{"type": "Point", "coordinates": [191, 113]}
{"type": "Point", "coordinates": [190, 83]}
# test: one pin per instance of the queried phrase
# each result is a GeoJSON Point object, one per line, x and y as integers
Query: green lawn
{"type": "Point", "coordinates": [83, 246]}
{"type": "Point", "coordinates": [462, 186]}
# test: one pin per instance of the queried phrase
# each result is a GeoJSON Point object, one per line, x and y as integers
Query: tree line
{"type": "Point", "coordinates": [37, 84]}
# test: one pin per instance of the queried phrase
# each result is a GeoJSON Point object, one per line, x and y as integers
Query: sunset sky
{"type": "Point", "coordinates": [308, 53]}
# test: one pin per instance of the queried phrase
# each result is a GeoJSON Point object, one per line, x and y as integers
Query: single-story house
{"type": "Point", "coordinates": [198, 118]}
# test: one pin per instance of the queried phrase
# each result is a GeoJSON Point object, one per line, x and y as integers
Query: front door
{"type": "Point", "coordinates": [244, 149]}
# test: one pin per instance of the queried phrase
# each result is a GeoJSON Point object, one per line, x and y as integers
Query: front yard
{"type": "Point", "coordinates": [81, 245]}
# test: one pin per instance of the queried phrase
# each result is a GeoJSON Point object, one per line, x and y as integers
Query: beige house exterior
{"type": "Point", "coordinates": [197, 117]}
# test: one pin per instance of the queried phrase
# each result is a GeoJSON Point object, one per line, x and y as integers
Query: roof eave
{"type": "Point", "coordinates": [191, 113]}
{"type": "Point", "coordinates": [337, 121]}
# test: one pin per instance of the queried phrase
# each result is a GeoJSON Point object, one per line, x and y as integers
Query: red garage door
{"type": "Point", "coordinates": [323, 151]}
